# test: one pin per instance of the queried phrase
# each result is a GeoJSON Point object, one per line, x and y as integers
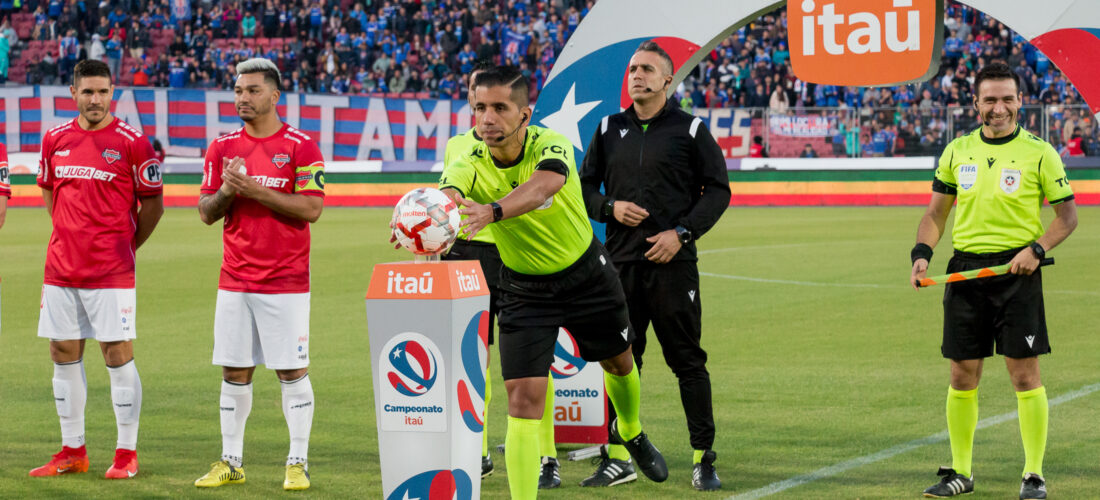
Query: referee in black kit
{"type": "Point", "coordinates": [666, 184]}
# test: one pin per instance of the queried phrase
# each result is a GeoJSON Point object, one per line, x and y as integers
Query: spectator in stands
{"type": "Point", "coordinates": [137, 39]}
{"type": "Point", "coordinates": [114, 53]}
{"type": "Point", "coordinates": [808, 152]}
{"type": "Point", "coordinates": [231, 20]}
{"type": "Point", "coordinates": [248, 25]}
{"type": "Point", "coordinates": [757, 148]}
{"type": "Point", "coordinates": [778, 103]}
{"type": "Point", "coordinates": [5, 48]}
{"type": "Point", "coordinates": [1073, 145]}
{"type": "Point", "coordinates": [142, 74]}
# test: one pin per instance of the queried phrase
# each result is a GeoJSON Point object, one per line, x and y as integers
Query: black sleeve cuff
{"type": "Point", "coordinates": [454, 188]}
{"type": "Point", "coordinates": [553, 165]}
{"type": "Point", "coordinates": [1061, 200]}
{"type": "Point", "coordinates": [939, 186]}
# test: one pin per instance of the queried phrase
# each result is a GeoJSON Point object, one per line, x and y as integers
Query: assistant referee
{"type": "Point", "coordinates": [999, 174]}
{"type": "Point", "coordinates": [666, 185]}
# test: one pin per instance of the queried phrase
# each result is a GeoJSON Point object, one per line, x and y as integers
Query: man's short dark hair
{"type": "Point", "coordinates": [995, 71]}
{"type": "Point", "coordinates": [506, 76]}
{"type": "Point", "coordinates": [265, 66]}
{"type": "Point", "coordinates": [90, 67]}
{"type": "Point", "coordinates": [482, 65]}
{"type": "Point", "coordinates": [651, 46]}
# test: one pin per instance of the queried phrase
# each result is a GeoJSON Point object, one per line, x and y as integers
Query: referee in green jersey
{"type": "Point", "coordinates": [522, 179]}
{"type": "Point", "coordinates": [482, 248]}
{"type": "Point", "coordinates": [999, 174]}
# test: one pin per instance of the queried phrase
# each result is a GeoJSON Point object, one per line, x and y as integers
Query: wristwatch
{"type": "Point", "coordinates": [1040, 252]}
{"type": "Point", "coordinates": [608, 209]}
{"type": "Point", "coordinates": [684, 234]}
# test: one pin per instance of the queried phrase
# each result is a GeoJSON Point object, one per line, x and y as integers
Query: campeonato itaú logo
{"type": "Point", "coordinates": [865, 42]}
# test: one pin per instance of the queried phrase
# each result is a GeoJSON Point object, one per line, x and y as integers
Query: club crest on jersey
{"type": "Point", "coordinates": [280, 160]}
{"type": "Point", "coordinates": [968, 174]}
{"type": "Point", "coordinates": [303, 178]}
{"type": "Point", "coordinates": [111, 156]}
{"type": "Point", "coordinates": [1010, 180]}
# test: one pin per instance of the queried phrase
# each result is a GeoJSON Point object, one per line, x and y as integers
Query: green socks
{"type": "Point", "coordinates": [485, 414]}
{"type": "Point", "coordinates": [625, 393]}
{"type": "Point", "coordinates": [1034, 411]}
{"type": "Point", "coordinates": [521, 456]}
{"type": "Point", "coordinates": [962, 418]}
{"type": "Point", "coordinates": [546, 430]}
{"type": "Point", "coordinates": [697, 456]}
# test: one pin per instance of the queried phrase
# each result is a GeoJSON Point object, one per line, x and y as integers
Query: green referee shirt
{"type": "Point", "coordinates": [458, 146]}
{"type": "Point", "coordinates": [545, 240]}
{"type": "Point", "coordinates": [1000, 184]}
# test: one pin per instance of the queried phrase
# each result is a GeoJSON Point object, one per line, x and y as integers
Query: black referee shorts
{"type": "Point", "coordinates": [586, 299]}
{"type": "Point", "coordinates": [489, 257]}
{"type": "Point", "coordinates": [1003, 311]}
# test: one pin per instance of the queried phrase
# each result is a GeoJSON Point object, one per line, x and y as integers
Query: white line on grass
{"type": "Point", "coordinates": [893, 451]}
{"type": "Point", "coordinates": [780, 245]}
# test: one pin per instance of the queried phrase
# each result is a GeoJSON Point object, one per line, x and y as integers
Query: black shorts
{"type": "Point", "coordinates": [586, 299]}
{"type": "Point", "coordinates": [489, 257]}
{"type": "Point", "coordinates": [1003, 310]}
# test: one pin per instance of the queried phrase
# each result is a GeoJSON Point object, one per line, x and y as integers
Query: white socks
{"type": "Point", "coordinates": [298, 410]}
{"type": "Point", "coordinates": [235, 405]}
{"type": "Point", "coordinates": [126, 398]}
{"type": "Point", "coordinates": [70, 393]}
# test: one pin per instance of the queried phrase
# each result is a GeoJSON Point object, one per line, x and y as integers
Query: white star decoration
{"type": "Point", "coordinates": [565, 119]}
{"type": "Point", "coordinates": [397, 353]}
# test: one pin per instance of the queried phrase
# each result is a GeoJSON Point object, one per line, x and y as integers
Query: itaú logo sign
{"type": "Point", "coordinates": [865, 42]}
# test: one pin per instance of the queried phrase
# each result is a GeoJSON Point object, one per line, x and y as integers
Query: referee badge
{"type": "Point", "coordinates": [968, 174]}
{"type": "Point", "coordinates": [1010, 180]}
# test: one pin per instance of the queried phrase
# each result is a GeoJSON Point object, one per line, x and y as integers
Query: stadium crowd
{"type": "Point", "coordinates": [424, 48]}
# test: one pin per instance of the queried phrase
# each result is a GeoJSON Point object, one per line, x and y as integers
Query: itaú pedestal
{"type": "Point", "coordinates": [428, 329]}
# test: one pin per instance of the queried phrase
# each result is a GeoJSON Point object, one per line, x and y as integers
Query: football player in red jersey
{"type": "Point", "coordinates": [5, 183]}
{"type": "Point", "coordinates": [267, 181]}
{"type": "Point", "coordinates": [103, 190]}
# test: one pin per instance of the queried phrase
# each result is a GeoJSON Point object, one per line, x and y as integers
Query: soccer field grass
{"type": "Point", "coordinates": [825, 368]}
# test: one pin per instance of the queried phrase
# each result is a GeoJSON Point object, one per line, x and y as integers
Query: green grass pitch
{"type": "Point", "coordinates": [819, 354]}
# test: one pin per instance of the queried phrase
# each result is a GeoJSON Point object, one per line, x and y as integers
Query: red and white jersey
{"type": "Point", "coordinates": [96, 178]}
{"type": "Point", "coordinates": [265, 251]}
{"type": "Point", "coordinates": [5, 173]}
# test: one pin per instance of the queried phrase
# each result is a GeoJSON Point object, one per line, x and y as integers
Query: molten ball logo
{"type": "Point", "coordinates": [414, 368]}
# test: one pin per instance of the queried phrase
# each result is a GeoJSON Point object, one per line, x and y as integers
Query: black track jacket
{"type": "Point", "coordinates": [674, 169]}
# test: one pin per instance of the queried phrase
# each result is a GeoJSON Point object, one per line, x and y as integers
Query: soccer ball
{"type": "Point", "coordinates": [425, 221]}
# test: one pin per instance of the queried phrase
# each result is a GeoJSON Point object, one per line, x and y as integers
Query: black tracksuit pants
{"type": "Point", "coordinates": [667, 295]}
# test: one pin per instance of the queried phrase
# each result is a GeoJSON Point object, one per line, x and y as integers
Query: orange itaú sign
{"type": "Point", "coordinates": [865, 42]}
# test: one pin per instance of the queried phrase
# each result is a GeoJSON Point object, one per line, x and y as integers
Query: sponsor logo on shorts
{"type": "Point", "coordinates": [1030, 341]}
{"type": "Point", "coordinates": [303, 338]}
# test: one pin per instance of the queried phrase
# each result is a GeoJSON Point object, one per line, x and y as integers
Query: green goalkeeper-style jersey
{"type": "Point", "coordinates": [547, 239]}
{"type": "Point", "coordinates": [458, 146]}
{"type": "Point", "coordinates": [1000, 185]}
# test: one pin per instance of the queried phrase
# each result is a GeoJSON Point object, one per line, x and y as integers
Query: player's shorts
{"type": "Point", "coordinates": [1003, 311]}
{"type": "Point", "coordinates": [489, 257]}
{"type": "Point", "coordinates": [586, 298]}
{"type": "Point", "coordinates": [104, 314]}
{"type": "Point", "coordinates": [261, 328]}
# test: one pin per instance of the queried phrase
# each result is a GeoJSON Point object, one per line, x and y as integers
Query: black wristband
{"type": "Point", "coordinates": [498, 211]}
{"type": "Point", "coordinates": [921, 251]}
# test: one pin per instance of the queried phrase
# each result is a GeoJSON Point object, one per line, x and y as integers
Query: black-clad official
{"type": "Point", "coordinates": [665, 185]}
